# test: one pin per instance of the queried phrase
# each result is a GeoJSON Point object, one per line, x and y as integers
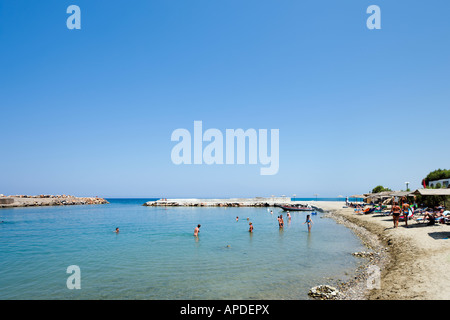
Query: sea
{"type": "Point", "coordinates": [156, 257]}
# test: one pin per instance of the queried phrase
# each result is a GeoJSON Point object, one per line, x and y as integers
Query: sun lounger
{"type": "Point", "coordinates": [367, 211]}
{"type": "Point", "coordinates": [421, 220]}
{"type": "Point", "coordinates": [440, 219]}
{"type": "Point", "coordinates": [419, 211]}
{"type": "Point", "coordinates": [410, 216]}
{"type": "Point", "coordinates": [445, 218]}
{"type": "Point", "coordinates": [430, 222]}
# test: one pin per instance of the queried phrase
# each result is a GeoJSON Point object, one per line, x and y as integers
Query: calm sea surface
{"type": "Point", "coordinates": [156, 256]}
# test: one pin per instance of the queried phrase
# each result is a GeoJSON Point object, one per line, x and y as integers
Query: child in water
{"type": "Point", "coordinates": [251, 227]}
{"type": "Point", "coordinates": [280, 221]}
{"type": "Point", "coordinates": [309, 222]}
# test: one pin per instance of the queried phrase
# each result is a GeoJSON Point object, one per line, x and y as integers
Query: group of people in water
{"type": "Point", "coordinates": [279, 218]}
{"type": "Point", "coordinates": [250, 229]}
{"type": "Point", "coordinates": [281, 221]}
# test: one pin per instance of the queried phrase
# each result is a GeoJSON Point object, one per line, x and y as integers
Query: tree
{"type": "Point", "coordinates": [437, 175]}
{"type": "Point", "coordinates": [432, 201]}
{"type": "Point", "coordinates": [380, 189]}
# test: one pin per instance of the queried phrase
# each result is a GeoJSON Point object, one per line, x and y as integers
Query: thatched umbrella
{"type": "Point", "coordinates": [433, 192]}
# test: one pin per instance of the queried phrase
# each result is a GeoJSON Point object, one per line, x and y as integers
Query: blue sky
{"type": "Point", "coordinates": [91, 111]}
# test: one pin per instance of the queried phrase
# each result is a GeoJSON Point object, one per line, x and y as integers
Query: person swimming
{"type": "Point", "coordinates": [117, 230]}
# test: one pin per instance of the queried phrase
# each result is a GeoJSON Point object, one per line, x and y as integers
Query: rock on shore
{"type": "Point", "coordinates": [324, 292]}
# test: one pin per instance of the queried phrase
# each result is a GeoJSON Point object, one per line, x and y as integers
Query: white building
{"type": "Point", "coordinates": [443, 182]}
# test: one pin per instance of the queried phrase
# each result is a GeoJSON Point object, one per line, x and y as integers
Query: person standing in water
{"type": "Point", "coordinates": [308, 222]}
{"type": "Point", "coordinates": [280, 221]}
{"type": "Point", "coordinates": [251, 227]}
{"type": "Point", "coordinates": [197, 230]}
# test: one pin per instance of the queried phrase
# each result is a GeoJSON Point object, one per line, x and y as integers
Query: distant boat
{"type": "Point", "coordinates": [296, 208]}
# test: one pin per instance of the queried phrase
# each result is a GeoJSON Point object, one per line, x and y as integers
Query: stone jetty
{"type": "Point", "coordinates": [47, 200]}
{"type": "Point", "coordinates": [231, 202]}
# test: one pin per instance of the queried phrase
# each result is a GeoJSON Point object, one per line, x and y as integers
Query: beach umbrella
{"type": "Point", "coordinates": [432, 192]}
{"type": "Point", "coordinates": [357, 196]}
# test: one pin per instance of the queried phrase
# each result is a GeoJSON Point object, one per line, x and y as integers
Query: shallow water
{"type": "Point", "coordinates": [156, 256]}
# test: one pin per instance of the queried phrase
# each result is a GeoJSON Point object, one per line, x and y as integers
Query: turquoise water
{"type": "Point", "coordinates": [156, 256]}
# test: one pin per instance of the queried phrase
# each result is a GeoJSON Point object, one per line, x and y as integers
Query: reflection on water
{"type": "Point", "coordinates": [308, 240]}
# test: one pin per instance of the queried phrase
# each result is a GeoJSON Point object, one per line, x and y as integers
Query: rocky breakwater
{"type": "Point", "coordinates": [47, 200]}
{"type": "Point", "coordinates": [232, 202]}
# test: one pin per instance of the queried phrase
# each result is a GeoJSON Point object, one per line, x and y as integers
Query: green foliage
{"type": "Point", "coordinates": [432, 201]}
{"type": "Point", "coordinates": [380, 189]}
{"type": "Point", "coordinates": [437, 175]}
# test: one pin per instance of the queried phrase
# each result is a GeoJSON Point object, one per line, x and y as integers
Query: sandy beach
{"type": "Point", "coordinates": [418, 261]}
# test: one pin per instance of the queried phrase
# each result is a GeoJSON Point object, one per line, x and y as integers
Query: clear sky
{"type": "Point", "coordinates": [91, 111]}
